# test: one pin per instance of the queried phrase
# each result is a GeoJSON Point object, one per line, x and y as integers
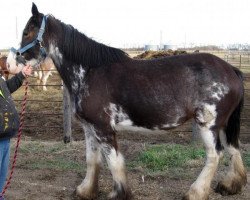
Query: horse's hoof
{"type": "Point", "coordinates": [194, 195]}
{"type": "Point", "coordinates": [232, 185]}
{"type": "Point", "coordinates": [66, 139]}
{"type": "Point", "coordinates": [186, 197]}
{"type": "Point", "coordinates": [85, 194]}
{"type": "Point", "coordinates": [114, 195]}
{"type": "Point", "coordinates": [233, 188]}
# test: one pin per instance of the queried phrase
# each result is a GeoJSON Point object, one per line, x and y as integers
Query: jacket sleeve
{"type": "Point", "coordinates": [15, 82]}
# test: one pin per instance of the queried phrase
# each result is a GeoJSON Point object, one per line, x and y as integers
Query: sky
{"type": "Point", "coordinates": [135, 23]}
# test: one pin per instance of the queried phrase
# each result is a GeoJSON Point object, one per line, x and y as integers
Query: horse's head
{"type": "Point", "coordinates": [32, 49]}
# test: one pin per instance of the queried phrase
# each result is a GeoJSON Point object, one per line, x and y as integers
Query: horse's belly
{"type": "Point", "coordinates": [128, 125]}
{"type": "Point", "coordinates": [121, 120]}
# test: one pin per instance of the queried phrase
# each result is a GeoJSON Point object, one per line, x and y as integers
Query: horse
{"type": "Point", "coordinates": [3, 67]}
{"type": "Point", "coordinates": [44, 71]}
{"type": "Point", "coordinates": [109, 90]}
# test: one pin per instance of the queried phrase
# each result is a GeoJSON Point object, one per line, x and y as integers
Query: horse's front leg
{"type": "Point", "coordinates": [88, 189]}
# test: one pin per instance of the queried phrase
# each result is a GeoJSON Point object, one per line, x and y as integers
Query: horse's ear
{"type": "Point", "coordinates": [34, 10]}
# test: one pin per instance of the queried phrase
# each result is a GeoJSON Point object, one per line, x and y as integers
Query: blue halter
{"type": "Point", "coordinates": [38, 39]}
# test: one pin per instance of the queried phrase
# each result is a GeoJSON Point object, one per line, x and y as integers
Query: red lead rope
{"type": "Point", "coordinates": [18, 140]}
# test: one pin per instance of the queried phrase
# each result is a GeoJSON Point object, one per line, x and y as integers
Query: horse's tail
{"type": "Point", "coordinates": [238, 73]}
{"type": "Point", "coordinates": [233, 126]}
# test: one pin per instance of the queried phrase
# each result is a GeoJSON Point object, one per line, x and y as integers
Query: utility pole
{"type": "Point", "coordinates": [160, 40]}
{"type": "Point", "coordinates": [16, 29]}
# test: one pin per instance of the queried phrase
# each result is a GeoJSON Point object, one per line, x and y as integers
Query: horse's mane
{"type": "Point", "coordinates": [83, 50]}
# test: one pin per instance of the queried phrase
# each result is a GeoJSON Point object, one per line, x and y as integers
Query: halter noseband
{"type": "Point", "coordinates": [38, 39]}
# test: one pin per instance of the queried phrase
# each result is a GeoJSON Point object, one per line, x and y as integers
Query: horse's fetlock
{"type": "Point", "coordinates": [120, 192]}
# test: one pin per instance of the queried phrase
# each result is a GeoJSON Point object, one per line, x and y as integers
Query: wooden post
{"type": "Point", "coordinates": [240, 61]}
{"type": "Point", "coordinates": [195, 133]}
{"type": "Point", "coordinates": [67, 112]}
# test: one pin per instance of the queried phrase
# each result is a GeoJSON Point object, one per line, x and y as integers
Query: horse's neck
{"type": "Point", "coordinates": [71, 73]}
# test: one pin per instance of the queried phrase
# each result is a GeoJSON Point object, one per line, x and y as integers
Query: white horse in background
{"type": "Point", "coordinates": [44, 71]}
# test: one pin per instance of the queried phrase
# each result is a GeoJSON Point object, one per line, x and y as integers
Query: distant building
{"type": "Point", "coordinates": [150, 47]}
{"type": "Point", "coordinates": [169, 46]}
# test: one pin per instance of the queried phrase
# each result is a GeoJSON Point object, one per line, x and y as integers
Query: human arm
{"type": "Point", "coordinates": [16, 81]}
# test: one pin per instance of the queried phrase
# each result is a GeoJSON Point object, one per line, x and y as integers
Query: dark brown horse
{"type": "Point", "coordinates": [110, 91]}
{"type": "Point", "coordinates": [3, 67]}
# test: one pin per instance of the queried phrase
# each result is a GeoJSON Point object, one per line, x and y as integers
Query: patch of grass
{"type": "Point", "coordinates": [49, 155]}
{"type": "Point", "coordinates": [42, 147]}
{"type": "Point", "coordinates": [59, 163]}
{"type": "Point", "coordinates": [246, 158]}
{"type": "Point", "coordinates": [164, 157]}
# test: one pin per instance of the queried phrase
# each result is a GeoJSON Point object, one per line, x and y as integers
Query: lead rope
{"type": "Point", "coordinates": [18, 139]}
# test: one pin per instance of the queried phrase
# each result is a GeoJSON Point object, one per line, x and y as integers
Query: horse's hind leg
{"type": "Point", "coordinates": [45, 77]}
{"type": "Point", "coordinates": [39, 78]}
{"type": "Point", "coordinates": [236, 177]}
{"type": "Point", "coordinates": [88, 189]}
{"type": "Point", "coordinates": [206, 118]}
{"type": "Point", "coordinates": [116, 165]}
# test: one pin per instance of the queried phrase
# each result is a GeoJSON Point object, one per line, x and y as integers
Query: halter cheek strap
{"type": "Point", "coordinates": [38, 39]}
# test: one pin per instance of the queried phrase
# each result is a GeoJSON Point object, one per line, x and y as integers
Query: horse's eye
{"type": "Point", "coordinates": [25, 33]}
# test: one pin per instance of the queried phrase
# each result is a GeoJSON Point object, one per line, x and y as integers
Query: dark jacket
{"type": "Point", "coordinates": [9, 119]}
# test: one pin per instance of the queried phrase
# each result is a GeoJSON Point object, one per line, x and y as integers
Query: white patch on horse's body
{"type": "Point", "coordinates": [218, 90]}
{"type": "Point", "coordinates": [118, 116]}
{"type": "Point", "coordinates": [55, 53]}
{"type": "Point", "coordinates": [207, 114]}
{"type": "Point", "coordinates": [78, 82]}
{"type": "Point", "coordinates": [79, 102]}
{"type": "Point", "coordinates": [170, 125]}
{"type": "Point", "coordinates": [75, 86]}
{"type": "Point", "coordinates": [81, 73]}
{"type": "Point", "coordinates": [90, 132]}
{"type": "Point", "coordinates": [121, 127]}
{"type": "Point", "coordinates": [120, 121]}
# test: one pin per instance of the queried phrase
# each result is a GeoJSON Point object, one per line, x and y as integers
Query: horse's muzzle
{"type": "Point", "coordinates": [20, 59]}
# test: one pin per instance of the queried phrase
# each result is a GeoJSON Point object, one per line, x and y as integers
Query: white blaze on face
{"type": "Point", "coordinates": [13, 68]}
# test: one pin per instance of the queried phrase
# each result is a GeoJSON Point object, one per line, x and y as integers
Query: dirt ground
{"type": "Point", "coordinates": [48, 184]}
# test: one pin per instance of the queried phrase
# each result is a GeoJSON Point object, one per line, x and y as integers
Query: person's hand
{"type": "Point", "coordinates": [27, 70]}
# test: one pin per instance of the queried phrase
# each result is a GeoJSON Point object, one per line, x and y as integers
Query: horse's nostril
{"type": "Point", "coordinates": [7, 65]}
